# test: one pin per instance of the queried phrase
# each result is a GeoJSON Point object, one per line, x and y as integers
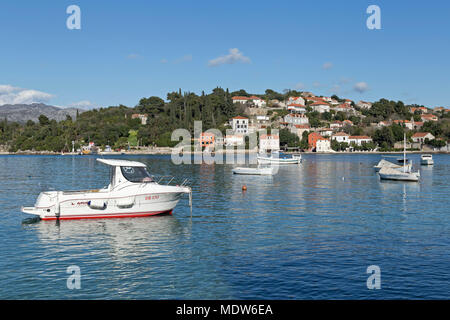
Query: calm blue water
{"type": "Point", "coordinates": [305, 233]}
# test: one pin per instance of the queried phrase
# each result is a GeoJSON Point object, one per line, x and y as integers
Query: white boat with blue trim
{"type": "Point", "coordinates": [132, 192]}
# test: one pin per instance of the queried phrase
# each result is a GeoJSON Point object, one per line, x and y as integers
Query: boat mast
{"type": "Point", "coordinates": [404, 152]}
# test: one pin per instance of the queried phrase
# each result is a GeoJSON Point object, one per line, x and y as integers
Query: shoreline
{"type": "Point", "coordinates": [166, 152]}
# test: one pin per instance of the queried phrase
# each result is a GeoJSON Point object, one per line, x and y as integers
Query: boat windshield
{"type": "Point", "coordinates": [136, 174]}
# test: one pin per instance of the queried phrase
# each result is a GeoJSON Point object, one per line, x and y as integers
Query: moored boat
{"type": "Point", "coordinates": [385, 163]}
{"type": "Point", "coordinates": [254, 171]}
{"type": "Point", "coordinates": [426, 159]}
{"type": "Point", "coordinates": [280, 158]}
{"type": "Point", "coordinates": [389, 173]}
{"type": "Point", "coordinates": [132, 192]}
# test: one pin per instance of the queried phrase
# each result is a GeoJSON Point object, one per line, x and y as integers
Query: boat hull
{"type": "Point", "coordinates": [58, 205]}
{"type": "Point", "coordinates": [426, 162]}
{"type": "Point", "coordinates": [264, 160]}
{"type": "Point", "coordinates": [254, 171]}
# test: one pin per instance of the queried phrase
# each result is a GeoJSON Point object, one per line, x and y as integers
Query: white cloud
{"type": "Point", "coordinates": [361, 87]}
{"type": "Point", "coordinates": [234, 56]}
{"type": "Point", "coordinates": [14, 95]}
{"type": "Point", "coordinates": [164, 61]}
{"type": "Point", "coordinates": [327, 65]}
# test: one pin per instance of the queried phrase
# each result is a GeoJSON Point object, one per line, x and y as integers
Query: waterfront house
{"type": "Point", "coordinates": [240, 125]}
{"type": "Point", "coordinates": [419, 137]}
{"type": "Point", "coordinates": [359, 140]}
{"type": "Point", "coordinates": [318, 143]}
{"type": "Point", "coordinates": [234, 140]}
{"type": "Point", "coordinates": [207, 139]}
{"type": "Point", "coordinates": [341, 137]}
{"type": "Point", "coordinates": [269, 142]}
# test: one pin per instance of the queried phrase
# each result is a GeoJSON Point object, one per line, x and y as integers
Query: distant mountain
{"type": "Point", "coordinates": [24, 112]}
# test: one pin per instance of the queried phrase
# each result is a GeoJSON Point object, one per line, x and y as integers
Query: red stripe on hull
{"type": "Point", "coordinates": [110, 215]}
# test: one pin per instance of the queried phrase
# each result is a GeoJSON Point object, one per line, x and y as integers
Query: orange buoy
{"type": "Point", "coordinates": [244, 188]}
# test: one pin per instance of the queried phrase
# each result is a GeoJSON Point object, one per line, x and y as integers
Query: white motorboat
{"type": "Point", "coordinates": [132, 192]}
{"type": "Point", "coordinates": [280, 158]}
{"type": "Point", "coordinates": [254, 171]}
{"type": "Point", "coordinates": [389, 173]}
{"type": "Point", "coordinates": [426, 159]}
{"type": "Point", "coordinates": [385, 163]}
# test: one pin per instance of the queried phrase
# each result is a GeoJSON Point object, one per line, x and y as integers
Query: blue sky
{"type": "Point", "coordinates": [127, 50]}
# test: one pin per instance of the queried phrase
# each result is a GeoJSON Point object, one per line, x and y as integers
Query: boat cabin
{"type": "Point", "coordinates": [125, 172]}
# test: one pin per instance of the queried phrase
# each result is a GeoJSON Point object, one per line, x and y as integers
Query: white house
{"type": "Point", "coordinates": [326, 132]}
{"type": "Point", "coordinates": [296, 108]}
{"type": "Point", "coordinates": [323, 145]}
{"type": "Point", "coordinates": [294, 118]}
{"type": "Point", "coordinates": [419, 137]}
{"type": "Point", "coordinates": [336, 124]}
{"type": "Point", "coordinates": [234, 140]}
{"type": "Point", "coordinates": [269, 142]}
{"type": "Point", "coordinates": [296, 100]}
{"type": "Point", "coordinates": [364, 104]}
{"type": "Point", "coordinates": [240, 125]}
{"type": "Point", "coordinates": [358, 140]}
{"type": "Point", "coordinates": [257, 101]}
{"type": "Point", "coordinates": [341, 137]}
{"type": "Point", "coordinates": [320, 107]}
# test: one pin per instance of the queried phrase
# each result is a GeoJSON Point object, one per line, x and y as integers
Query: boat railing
{"type": "Point", "coordinates": [167, 180]}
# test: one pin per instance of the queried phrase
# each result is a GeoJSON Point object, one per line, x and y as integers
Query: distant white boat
{"type": "Point", "coordinates": [280, 158]}
{"type": "Point", "coordinates": [254, 171]}
{"type": "Point", "coordinates": [426, 159]}
{"type": "Point", "coordinates": [389, 173]}
{"type": "Point", "coordinates": [385, 163]}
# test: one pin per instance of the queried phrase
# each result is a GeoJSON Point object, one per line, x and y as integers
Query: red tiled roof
{"type": "Point", "coordinates": [420, 134]}
{"type": "Point", "coordinates": [302, 126]}
{"type": "Point", "coordinates": [296, 105]}
{"type": "Point", "coordinates": [239, 117]}
{"type": "Point", "coordinates": [240, 98]}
